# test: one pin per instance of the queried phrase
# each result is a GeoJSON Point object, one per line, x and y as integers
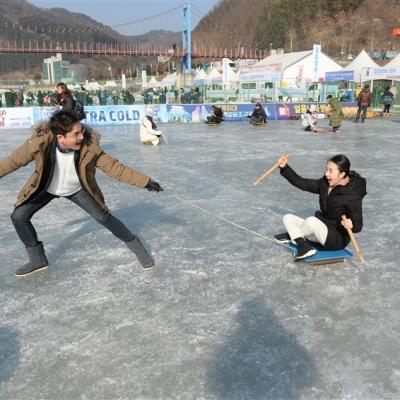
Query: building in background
{"type": "Point", "coordinates": [55, 69]}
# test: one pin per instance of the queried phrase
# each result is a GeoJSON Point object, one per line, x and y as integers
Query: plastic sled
{"type": "Point", "coordinates": [258, 123]}
{"type": "Point", "coordinates": [324, 256]}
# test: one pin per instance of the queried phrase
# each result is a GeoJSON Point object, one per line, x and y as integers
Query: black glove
{"type": "Point", "coordinates": [153, 186]}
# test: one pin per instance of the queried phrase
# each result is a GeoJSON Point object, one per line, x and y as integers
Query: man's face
{"type": "Point", "coordinates": [73, 139]}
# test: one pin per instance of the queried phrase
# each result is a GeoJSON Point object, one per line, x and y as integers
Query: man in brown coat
{"type": "Point", "coordinates": [66, 155]}
{"type": "Point", "coordinates": [364, 100]}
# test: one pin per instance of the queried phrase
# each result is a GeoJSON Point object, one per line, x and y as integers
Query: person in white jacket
{"type": "Point", "coordinates": [148, 130]}
{"type": "Point", "coordinates": [310, 120]}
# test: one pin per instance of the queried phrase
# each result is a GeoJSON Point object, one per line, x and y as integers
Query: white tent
{"type": "Point", "coordinates": [200, 78]}
{"type": "Point", "coordinates": [395, 62]}
{"type": "Point", "coordinates": [153, 82]}
{"type": "Point", "coordinates": [169, 80]}
{"type": "Point", "coordinates": [363, 60]}
{"type": "Point", "coordinates": [111, 84]}
{"type": "Point", "coordinates": [92, 86]}
{"type": "Point", "coordinates": [214, 76]}
{"type": "Point", "coordinates": [295, 70]}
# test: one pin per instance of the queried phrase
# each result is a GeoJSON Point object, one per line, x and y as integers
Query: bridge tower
{"type": "Point", "coordinates": [187, 39]}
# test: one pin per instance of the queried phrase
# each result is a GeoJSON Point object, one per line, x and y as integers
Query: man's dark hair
{"type": "Point", "coordinates": [329, 96]}
{"type": "Point", "coordinates": [61, 122]}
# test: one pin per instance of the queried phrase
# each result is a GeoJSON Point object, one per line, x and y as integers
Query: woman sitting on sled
{"type": "Point", "coordinates": [340, 193]}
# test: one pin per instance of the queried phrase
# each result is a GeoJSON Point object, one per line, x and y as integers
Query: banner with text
{"type": "Point", "coordinates": [25, 117]}
{"type": "Point", "coordinates": [18, 117]}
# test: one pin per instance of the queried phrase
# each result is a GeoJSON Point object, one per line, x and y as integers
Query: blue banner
{"type": "Point", "coordinates": [110, 115]}
{"type": "Point", "coordinates": [199, 112]}
{"type": "Point", "coordinates": [339, 76]}
{"type": "Point", "coordinates": [132, 114]}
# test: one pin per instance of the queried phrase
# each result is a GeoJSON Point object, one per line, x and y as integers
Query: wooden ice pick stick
{"type": "Point", "coordinates": [354, 242]}
{"type": "Point", "coordinates": [266, 174]}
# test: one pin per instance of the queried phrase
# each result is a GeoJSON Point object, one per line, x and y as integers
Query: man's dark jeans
{"type": "Point", "coordinates": [22, 215]}
{"type": "Point", "coordinates": [364, 113]}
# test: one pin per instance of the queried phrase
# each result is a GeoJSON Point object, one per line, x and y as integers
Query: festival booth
{"type": "Point", "coordinates": [221, 85]}
{"type": "Point", "coordinates": [290, 75]}
{"type": "Point", "coordinates": [382, 78]}
{"type": "Point", "coordinates": [214, 90]}
{"type": "Point", "coordinates": [339, 84]}
{"type": "Point", "coordinates": [110, 84]}
{"type": "Point", "coordinates": [363, 67]}
{"type": "Point", "coordinates": [363, 60]}
{"type": "Point", "coordinates": [200, 78]}
{"type": "Point", "coordinates": [169, 81]}
{"type": "Point", "coordinates": [92, 86]}
{"type": "Point", "coordinates": [343, 83]}
{"type": "Point", "coordinates": [395, 62]}
{"type": "Point", "coordinates": [260, 80]}
{"type": "Point", "coordinates": [154, 83]}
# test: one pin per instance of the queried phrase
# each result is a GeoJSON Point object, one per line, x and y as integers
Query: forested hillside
{"type": "Point", "coordinates": [345, 26]}
{"type": "Point", "coordinates": [341, 26]}
{"type": "Point", "coordinates": [21, 21]}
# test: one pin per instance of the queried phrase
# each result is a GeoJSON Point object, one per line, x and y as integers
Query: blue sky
{"type": "Point", "coordinates": [115, 12]}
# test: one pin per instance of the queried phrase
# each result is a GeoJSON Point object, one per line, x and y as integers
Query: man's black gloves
{"type": "Point", "coordinates": [153, 186]}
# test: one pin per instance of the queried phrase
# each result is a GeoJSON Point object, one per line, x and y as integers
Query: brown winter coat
{"type": "Point", "coordinates": [92, 156]}
{"type": "Point", "coordinates": [364, 98]}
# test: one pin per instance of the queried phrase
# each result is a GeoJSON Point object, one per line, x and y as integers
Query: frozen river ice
{"type": "Point", "coordinates": [225, 314]}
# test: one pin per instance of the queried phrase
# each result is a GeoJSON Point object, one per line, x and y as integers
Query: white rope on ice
{"type": "Point", "coordinates": [231, 222]}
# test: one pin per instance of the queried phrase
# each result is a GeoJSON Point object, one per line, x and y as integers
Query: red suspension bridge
{"type": "Point", "coordinates": [130, 50]}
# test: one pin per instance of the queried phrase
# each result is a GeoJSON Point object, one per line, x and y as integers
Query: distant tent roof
{"type": "Point", "coordinates": [200, 78]}
{"type": "Point", "coordinates": [286, 59]}
{"type": "Point", "coordinates": [200, 74]}
{"type": "Point", "coordinates": [363, 60]}
{"type": "Point", "coordinates": [214, 76]}
{"type": "Point", "coordinates": [110, 84]}
{"type": "Point", "coordinates": [154, 82]}
{"type": "Point", "coordinates": [169, 80]}
{"type": "Point", "coordinates": [93, 85]}
{"type": "Point", "coordinates": [395, 62]}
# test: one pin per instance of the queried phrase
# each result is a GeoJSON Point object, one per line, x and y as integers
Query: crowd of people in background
{"type": "Point", "coordinates": [50, 98]}
{"type": "Point", "coordinates": [384, 96]}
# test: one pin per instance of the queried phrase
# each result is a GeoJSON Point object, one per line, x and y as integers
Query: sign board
{"type": "Point", "coordinates": [261, 73]}
{"type": "Point", "coordinates": [316, 61]}
{"type": "Point", "coordinates": [339, 76]}
{"type": "Point", "coordinates": [390, 73]}
{"type": "Point", "coordinates": [225, 71]}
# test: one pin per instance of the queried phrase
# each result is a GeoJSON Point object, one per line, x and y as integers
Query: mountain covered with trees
{"type": "Point", "coordinates": [340, 26]}
{"type": "Point", "coordinates": [22, 21]}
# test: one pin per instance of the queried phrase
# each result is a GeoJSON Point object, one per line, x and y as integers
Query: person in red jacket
{"type": "Point", "coordinates": [340, 193]}
{"type": "Point", "coordinates": [364, 100]}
